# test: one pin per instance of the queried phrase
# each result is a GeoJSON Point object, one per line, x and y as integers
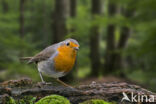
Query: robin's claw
{"type": "Point", "coordinates": [48, 83]}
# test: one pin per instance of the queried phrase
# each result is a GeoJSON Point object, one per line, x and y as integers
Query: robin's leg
{"type": "Point", "coordinates": [43, 82]}
{"type": "Point", "coordinates": [41, 77]}
{"type": "Point", "coordinates": [63, 83]}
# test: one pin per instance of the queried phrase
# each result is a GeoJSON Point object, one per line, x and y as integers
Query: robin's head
{"type": "Point", "coordinates": [71, 43]}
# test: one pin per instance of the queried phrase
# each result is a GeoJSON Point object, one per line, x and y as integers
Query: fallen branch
{"type": "Point", "coordinates": [111, 91]}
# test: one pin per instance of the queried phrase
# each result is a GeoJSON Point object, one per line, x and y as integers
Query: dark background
{"type": "Point", "coordinates": [117, 38]}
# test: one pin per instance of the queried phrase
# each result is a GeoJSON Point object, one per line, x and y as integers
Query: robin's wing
{"type": "Point", "coordinates": [43, 55]}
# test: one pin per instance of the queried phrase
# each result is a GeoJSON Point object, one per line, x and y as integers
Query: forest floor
{"type": "Point", "coordinates": [109, 79]}
{"type": "Point", "coordinates": [98, 89]}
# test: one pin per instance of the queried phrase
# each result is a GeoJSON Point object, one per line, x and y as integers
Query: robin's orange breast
{"type": "Point", "coordinates": [65, 59]}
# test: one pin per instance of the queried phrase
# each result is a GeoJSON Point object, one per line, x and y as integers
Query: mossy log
{"type": "Point", "coordinates": [111, 91]}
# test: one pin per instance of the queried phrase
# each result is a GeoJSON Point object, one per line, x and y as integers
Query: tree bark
{"type": "Point", "coordinates": [110, 41]}
{"type": "Point", "coordinates": [61, 14]}
{"type": "Point", "coordinates": [94, 40]}
{"type": "Point", "coordinates": [111, 91]}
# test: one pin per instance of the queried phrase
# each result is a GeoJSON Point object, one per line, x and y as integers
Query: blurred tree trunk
{"type": "Point", "coordinates": [73, 6]}
{"type": "Point", "coordinates": [73, 9]}
{"type": "Point", "coordinates": [73, 74]}
{"type": "Point", "coordinates": [124, 36]}
{"type": "Point", "coordinates": [45, 26]}
{"type": "Point", "coordinates": [110, 41]}
{"type": "Point", "coordinates": [114, 54]}
{"type": "Point", "coordinates": [94, 40]}
{"type": "Point", "coordinates": [5, 9]}
{"type": "Point", "coordinates": [5, 6]}
{"type": "Point", "coordinates": [21, 18]}
{"type": "Point", "coordinates": [21, 23]}
{"type": "Point", "coordinates": [61, 13]}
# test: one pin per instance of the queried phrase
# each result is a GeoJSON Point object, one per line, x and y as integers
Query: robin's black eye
{"type": "Point", "coordinates": [68, 44]}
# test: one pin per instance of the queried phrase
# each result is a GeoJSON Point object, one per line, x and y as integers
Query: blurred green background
{"type": "Point", "coordinates": [117, 37]}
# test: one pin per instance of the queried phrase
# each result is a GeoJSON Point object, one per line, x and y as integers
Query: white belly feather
{"type": "Point", "coordinates": [47, 67]}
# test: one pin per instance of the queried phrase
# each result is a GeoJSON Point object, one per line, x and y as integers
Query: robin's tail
{"type": "Point", "coordinates": [26, 59]}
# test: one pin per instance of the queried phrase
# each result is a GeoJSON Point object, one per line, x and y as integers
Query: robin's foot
{"type": "Point", "coordinates": [64, 83]}
{"type": "Point", "coordinates": [42, 83]}
{"type": "Point", "coordinates": [48, 83]}
{"type": "Point", "coordinates": [45, 83]}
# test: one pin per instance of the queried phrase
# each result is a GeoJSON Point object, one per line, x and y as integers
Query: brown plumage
{"type": "Point", "coordinates": [43, 55]}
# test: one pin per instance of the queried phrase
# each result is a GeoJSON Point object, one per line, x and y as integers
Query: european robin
{"type": "Point", "coordinates": [56, 60]}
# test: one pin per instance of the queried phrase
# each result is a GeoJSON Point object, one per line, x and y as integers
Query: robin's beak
{"type": "Point", "coordinates": [76, 48]}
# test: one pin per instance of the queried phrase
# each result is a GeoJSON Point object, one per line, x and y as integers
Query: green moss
{"type": "Point", "coordinates": [10, 101]}
{"type": "Point", "coordinates": [53, 99]}
{"type": "Point", "coordinates": [96, 101]}
{"type": "Point", "coordinates": [26, 100]}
